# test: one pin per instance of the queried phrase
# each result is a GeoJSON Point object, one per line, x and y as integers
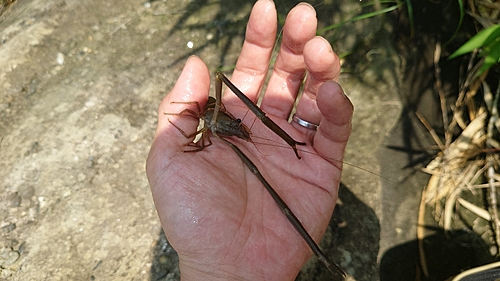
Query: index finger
{"type": "Point", "coordinates": [251, 67]}
{"type": "Point", "coordinates": [286, 79]}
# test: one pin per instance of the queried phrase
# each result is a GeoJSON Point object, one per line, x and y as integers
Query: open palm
{"type": "Point", "coordinates": [214, 211]}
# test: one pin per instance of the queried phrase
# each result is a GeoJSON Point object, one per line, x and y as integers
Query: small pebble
{"type": "Point", "coordinates": [60, 58]}
{"type": "Point", "coordinates": [8, 256]}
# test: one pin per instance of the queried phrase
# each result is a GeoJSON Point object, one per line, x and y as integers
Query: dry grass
{"type": "Point", "coordinates": [469, 162]}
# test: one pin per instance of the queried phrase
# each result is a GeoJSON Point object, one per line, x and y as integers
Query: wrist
{"type": "Point", "coordinates": [194, 272]}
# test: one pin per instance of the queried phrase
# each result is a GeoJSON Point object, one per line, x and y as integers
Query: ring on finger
{"type": "Point", "coordinates": [304, 123]}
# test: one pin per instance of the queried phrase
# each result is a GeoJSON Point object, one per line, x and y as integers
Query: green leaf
{"type": "Point", "coordinates": [492, 46]}
{"type": "Point", "coordinates": [357, 18]}
{"type": "Point", "coordinates": [481, 39]}
{"type": "Point", "coordinates": [490, 59]}
{"type": "Point", "coordinates": [460, 22]}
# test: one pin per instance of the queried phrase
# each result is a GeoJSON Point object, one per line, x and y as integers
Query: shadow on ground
{"type": "Point", "coordinates": [447, 254]}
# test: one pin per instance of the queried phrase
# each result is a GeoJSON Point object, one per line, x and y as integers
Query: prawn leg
{"type": "Point", "coordinates": [337, 272]}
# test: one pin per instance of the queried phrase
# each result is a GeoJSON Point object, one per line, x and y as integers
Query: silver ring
{"type": "Point", "coordinates": [304, 123]}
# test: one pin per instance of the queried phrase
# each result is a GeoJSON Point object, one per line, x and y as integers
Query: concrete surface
{"type": "Point", "coordinates": [80, 82]}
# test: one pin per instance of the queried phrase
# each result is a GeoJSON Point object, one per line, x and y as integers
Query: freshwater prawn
{"type": "Point", "coordinates": [222, 124]}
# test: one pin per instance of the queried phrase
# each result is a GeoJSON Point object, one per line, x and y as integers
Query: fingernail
{"type": "Point", "coordinates": [308, 5]}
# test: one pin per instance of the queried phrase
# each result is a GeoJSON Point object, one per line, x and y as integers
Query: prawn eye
{"type": "Point", "coordinates": [238, 120]}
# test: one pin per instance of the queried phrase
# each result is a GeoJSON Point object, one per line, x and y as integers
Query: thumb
{"type": "Point", "coordinates": [192, 86]}
{"type": "Point", "coordinates": [190, 90]}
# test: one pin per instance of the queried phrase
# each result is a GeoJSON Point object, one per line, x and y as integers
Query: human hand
{"type": "Point", "coordinates": [215, 212]}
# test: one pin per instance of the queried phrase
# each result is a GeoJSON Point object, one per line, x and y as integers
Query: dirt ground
{"type": "Point", "coordinates": [80, 82]}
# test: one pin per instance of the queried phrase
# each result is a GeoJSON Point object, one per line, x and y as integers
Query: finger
{"type": "Point", "coordinates": [193, 85]}
{"type": "Point", "coordinates": [332, 135]}
{"type": "Point", "coordinates": [300, 27]}
{"type": "Point", "coordinates": [251, 67]}
{"type": "Point", "coordinates": [322, 65]}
